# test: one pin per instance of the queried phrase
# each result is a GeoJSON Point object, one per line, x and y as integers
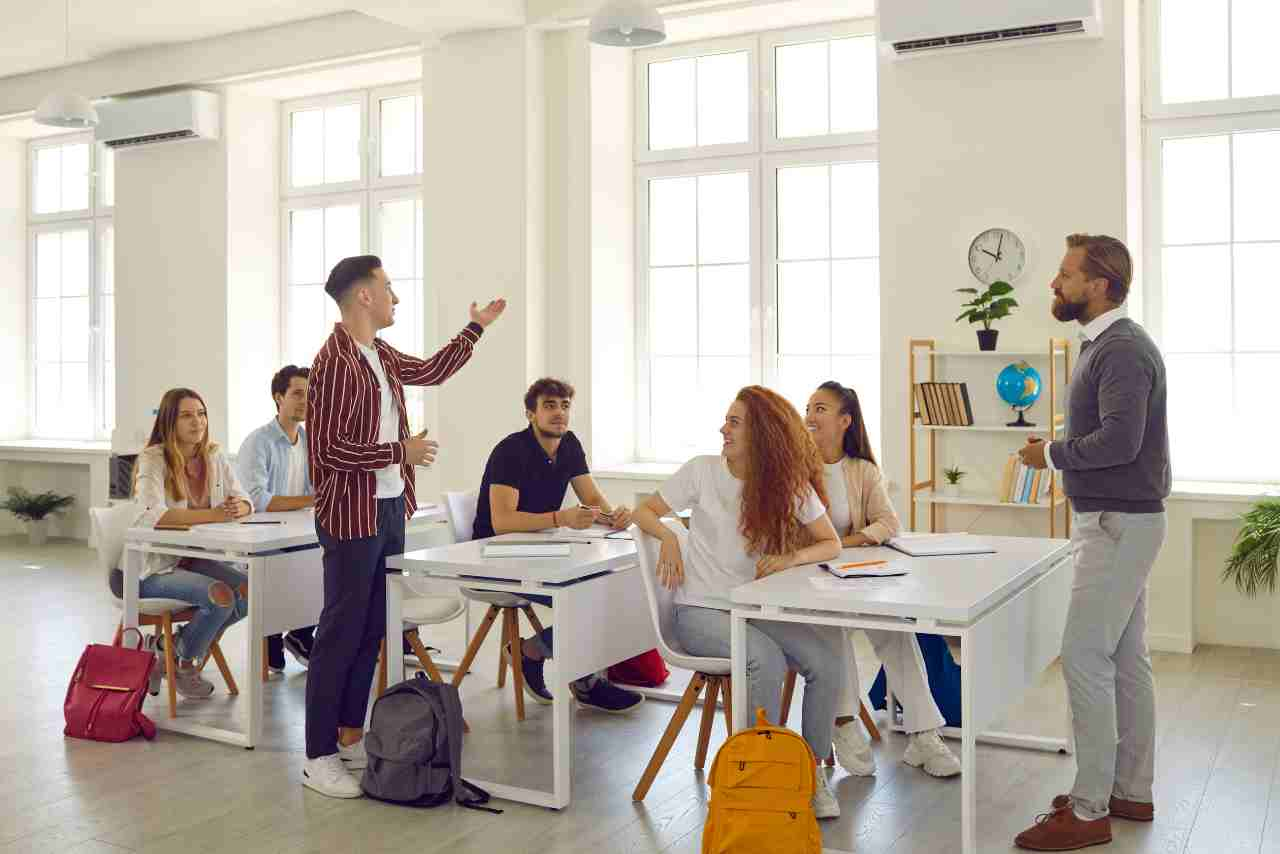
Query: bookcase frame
{"type": "Point", "coordinates": [922, 350]}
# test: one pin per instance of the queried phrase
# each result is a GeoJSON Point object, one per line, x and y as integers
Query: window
{"type": "Point", "coordinates": [72, 345]}
{"type": "Point", "coordinates": [344, 196]}
{"type": "Point", "coordinates": [756, 250]}
{"type": "Point", "coordinates": [1213, 240]}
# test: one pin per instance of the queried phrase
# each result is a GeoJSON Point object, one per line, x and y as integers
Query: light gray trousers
{"type": "Point", "coordinates": [1105, 660]}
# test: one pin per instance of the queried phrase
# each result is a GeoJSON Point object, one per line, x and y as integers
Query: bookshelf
{"type": "Point", "coordinates": [923, 363]}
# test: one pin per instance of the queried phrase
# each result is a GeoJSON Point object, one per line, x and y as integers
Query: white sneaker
{"type": "Point", "coordinates": [328, 776]}
{"type": "Point", "coordinates": [926, 750]}
{"type": "Point", "coordinates": [853, 750]}
{"type": "Point", "coordinates": [825, 804]}
{"type": "Point", "coordinates": [353, 758]}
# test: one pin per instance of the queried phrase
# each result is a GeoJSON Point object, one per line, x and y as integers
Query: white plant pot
{"type": "Point", "coordinates": [951, 490]}
{"type": "Point", "coordinates": [37, 532]}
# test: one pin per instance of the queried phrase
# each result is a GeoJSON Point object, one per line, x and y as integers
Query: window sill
{"type": "Point", "coordinates": [637, 471]}
{"type": "Point", "coordinates": [1234, 493]}
{"type": "Point", "coordinates": [54, 447]}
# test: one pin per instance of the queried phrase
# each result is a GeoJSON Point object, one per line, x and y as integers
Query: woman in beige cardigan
{"type": "Point", "coordinates": [863, 516]}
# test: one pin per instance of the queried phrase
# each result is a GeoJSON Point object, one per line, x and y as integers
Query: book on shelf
{"type": "Point", "coordinates": [944, 404]}
{"type": "Point", "coordinates": [1020, 484]}
{"type": "Point", "coordinates": [925, 416]}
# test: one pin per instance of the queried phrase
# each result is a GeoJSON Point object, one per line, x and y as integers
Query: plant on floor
{"type": "Point", "coordinates": [32, 506]}
{"type": "Point", "coordinates": [1253, 562]}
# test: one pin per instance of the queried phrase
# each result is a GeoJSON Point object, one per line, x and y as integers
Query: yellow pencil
{"type": "Point", "coordinates": [863, 563]}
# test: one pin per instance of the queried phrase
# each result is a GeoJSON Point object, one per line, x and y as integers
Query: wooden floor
{"type": "Point", "coordinates": [1218, 786]}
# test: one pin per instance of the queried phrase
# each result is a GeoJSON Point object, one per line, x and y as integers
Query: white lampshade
{"type": "Point", "coordinates": [627, 24]}
{"type": "Point", "coordinates": [66, 111]}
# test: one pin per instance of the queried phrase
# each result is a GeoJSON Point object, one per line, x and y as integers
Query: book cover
{"type": "Point", "coordinates": [953, 391]}
{"type": "Point", "coordinates": [946, 403]}
{"type": "Point", "coordinates": [925, 415]}
{"type": "Point", "coordinates": [932, 403]}
{"type": "Point", "coordinates": [968, 409]}
{"type": "Point", "coordinates": [1035, 488]}
{"type": "Point", "coordinates": [1006, 479]}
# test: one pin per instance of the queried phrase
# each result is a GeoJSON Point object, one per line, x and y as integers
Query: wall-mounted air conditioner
{"type": "Point", "coordinates": [166, 117]}
{"type": "Point", "coordinates": [924, 27]}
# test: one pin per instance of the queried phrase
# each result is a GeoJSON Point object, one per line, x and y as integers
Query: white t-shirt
{"type": "Point", "coordinates": [296, 483]}
{"type": "Point", "coordinates": [715, 553]}
{"type": "Point", "coordinates": [389, 482]}
{"type": "Point", "coordinates": [838, 495]}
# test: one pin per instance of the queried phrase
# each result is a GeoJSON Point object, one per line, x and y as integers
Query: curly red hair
{"type": "Point", "coordinates": [782, 465]}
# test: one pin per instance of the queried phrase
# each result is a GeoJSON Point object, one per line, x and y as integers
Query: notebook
{"type": "Point", "coordinates": [865, 569]}
{"type": "Point", "coordinates": [933, 545]}
{"type": "Point", "coordinates": [527, 548]}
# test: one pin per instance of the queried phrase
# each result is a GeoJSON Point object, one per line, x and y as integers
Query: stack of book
{"type": "Point", "coordinates": [1023, 485]}
{"type": "Point", "coordinates": [944, 404]}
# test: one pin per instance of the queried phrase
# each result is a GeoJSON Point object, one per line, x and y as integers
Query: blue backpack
{"type": "Point", "coordinates": [944, 679]}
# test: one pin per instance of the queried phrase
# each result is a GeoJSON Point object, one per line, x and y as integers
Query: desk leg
{"type": "Point", "coordinates": [132, 567]}
{"type": "Point", "coordinates": [561, 717]}
{"type": "Point", "coordinates": [969, 762]}
{"type": "Point", "coordinates": [395, 623]}
{"type": "Point", "coordinates": [738, 670]}
{"type": "Point", "coordinates": [253, 658]}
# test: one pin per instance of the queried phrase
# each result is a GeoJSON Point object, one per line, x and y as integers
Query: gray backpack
{"type": "Point", "coordinates": [415, 747]}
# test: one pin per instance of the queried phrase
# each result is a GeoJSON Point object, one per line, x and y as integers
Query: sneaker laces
{"type": "Point", "coordinates": [1046, 816]}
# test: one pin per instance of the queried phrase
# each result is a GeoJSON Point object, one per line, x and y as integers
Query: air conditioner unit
{"type": "Point", "coordinates": [166, 117]}
{"type": "Point", "coordinates": [921, 27]}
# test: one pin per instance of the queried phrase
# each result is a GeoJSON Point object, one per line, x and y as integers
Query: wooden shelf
{"type": "Point", "coordinates": [984, 428]}
{"type": "Point", "coordinates": [974, 499]}
{"type": "Point", "coordinates": [992, 353]}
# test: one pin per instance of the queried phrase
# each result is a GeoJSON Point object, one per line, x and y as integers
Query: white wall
{"type": "Point", "coordinates": [13, 286]}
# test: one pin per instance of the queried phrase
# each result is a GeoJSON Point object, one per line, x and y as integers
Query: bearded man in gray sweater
{"type": "Point", "coordinates": [1114, 466]}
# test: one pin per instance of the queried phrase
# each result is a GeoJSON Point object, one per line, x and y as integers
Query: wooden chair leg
{"type": "Point", "coordinates": [687, 700]}
{"type": "Point", "coordinates": [534, 622]}
{"type": "Point", "coordinates": [266, 674]}
{"type": "Point", "coordinates": [382, 667]}
{"type": "Point", "coordinates": [505, 638]}
{"type": "Point", "coordinates": [473, 648]}
{"type": "Point", "coordinates": [872, 730]}
{"type": "Point", "coordinates": [831, 758]}
{"type": "Point", "coordinates": [424, 657]}
{"type": "Point", "coordinates": [788, 691]}
{"type": "Point", "coordinates": [726, 692]}
{"type": "Point", "coordinates": [170, 665]}
{"type": "Point", "coordinates": [216, 651]}
{"type": "Point", "coordinates": [115, 641]}
{"type": "Point", "coordinates": [708, 717]}
{"type": "Point", "coordinates": [517, 662]}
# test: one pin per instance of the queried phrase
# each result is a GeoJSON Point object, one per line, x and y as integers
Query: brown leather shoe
{"type": "Point", "coordinates": [1120, 808]}
{"type": "Point", "coordinates": [1062, 830]}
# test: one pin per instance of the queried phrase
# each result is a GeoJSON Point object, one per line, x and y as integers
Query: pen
{"type": "Point", "coordinates": [264, 522]}
{"type": "Point", "coordinates": [862, 563]}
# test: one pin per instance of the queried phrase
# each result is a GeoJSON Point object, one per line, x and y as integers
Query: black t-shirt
{"type": "Point", "coordinates": [520, 463]}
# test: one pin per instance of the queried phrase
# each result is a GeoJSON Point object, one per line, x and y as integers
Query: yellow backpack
{"type": "Point", "coordinates": [762, 794]}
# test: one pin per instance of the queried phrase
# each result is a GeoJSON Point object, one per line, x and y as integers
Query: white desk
{"type": "Point", "coordinates": [286, 590]}
{"type": "Point", "coordinates": [1008, 609]}
{"type": "Point", "coordinates": [594, 626]}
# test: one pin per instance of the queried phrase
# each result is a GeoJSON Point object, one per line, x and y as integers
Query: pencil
{"type": "Point", "coordinates": [862, 563]}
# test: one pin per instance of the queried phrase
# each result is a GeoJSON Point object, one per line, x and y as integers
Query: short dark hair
{"type": "Point", "coordinates": [546, 387]}
{"type": "Point", "coordinates": [348, 272]}
{"type": "Point", "coordinates": [284, 376]}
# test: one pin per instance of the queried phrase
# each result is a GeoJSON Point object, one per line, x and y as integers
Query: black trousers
{"type": "Point", "coordinates": [351, 627]}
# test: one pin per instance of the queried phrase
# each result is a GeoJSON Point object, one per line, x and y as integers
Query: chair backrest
{"type": "Point", "coordinates": [109, 527]}
{"type": "Point", "coordinates": [462, 513]}
{"type": "Point", "coordinates": [662, 602]}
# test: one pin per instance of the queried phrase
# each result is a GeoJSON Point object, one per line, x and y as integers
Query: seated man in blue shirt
{"type": "Point", "coordinates": [273, 468]}
{"type": "Point", "coordinates": [523, 489]}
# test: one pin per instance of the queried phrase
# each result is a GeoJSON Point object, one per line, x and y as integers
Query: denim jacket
{"type": "Point", "coordinates": [263, 463]}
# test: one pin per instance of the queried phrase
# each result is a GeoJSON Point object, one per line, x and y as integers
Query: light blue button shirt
{"type": "Point", "coordinates": [263, 464]}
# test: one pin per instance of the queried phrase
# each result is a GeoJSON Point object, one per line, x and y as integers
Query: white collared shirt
{"type": "Point", "coordinates": [1090, 332]}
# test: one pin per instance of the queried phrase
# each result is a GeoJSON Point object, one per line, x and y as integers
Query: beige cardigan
{"type": "Point", "coordinates": [870, 510]}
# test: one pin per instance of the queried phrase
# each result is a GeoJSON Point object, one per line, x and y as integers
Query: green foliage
{"type": "Point", "coordinates": [35, 506]}
{"type": "Point", "coordinates": [1252, 565]}
{"type": "Point", "coordinates": [953, 475]}
{"type": "Point", "coordinates": [988, 306]}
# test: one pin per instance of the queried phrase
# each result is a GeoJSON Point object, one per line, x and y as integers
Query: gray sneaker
{"type": "Point", "coordinates": [191, 684]}
{"type": "Point", "coordinates": [157, 669]}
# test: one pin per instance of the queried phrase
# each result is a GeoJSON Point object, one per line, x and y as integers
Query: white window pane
{"type": "Point", "coordinates": [1257, 297]}
{"type": "Point", "coordinates": [75, 329]}
{"type": "Point", "coordinates": [673, 397]}
{"type": "Point", "coordinates": [798, 376]}
{"type": "Point", "coordinates": [1255, 63]}
{"type": "Point", "coordinates": [719, 380]}
{"type": "Point", "coordinates": [802, 89]}
{"type": "Point", "coordinates": [673, 311]}
{"type": "Point", "coordinates": [109, 328]}
{"type": "Point", "coordinates": [306, 246]}
{"type": "Point", "coordinates": [804, 212]}
{"type": "Point", "coordinates": [75, 177]}
{"type": "Point", "coordinates": [855, 210]}
{"type": "Point", "coordinates": [307, 326]}
{"type": "Point", "coordinates": [106, 176]}
{"type": "Point", "coordinates": [75, 263]}
{"type": "Point", "coordinates": [804, 307]}
{"type": "Point", "coordinates": [673, 231]}
{"type": "Point", "coordinates": [48, 265]}
{"type": "Point", "coordinates": [107, 260]}
{"type": "Point", "coordinates": [1197, 385]}
{"type": "Point", "coordinates": [418, 259]}
{"type": "Point", "coordinates": [342, 144]}
{"type": "Point", "coordinates": [48, 182]}
{"type": "Point", "coordinates": [48, 398]}
{"type": "Point", "coordinates": [397, 135]}
{"type": "Point", "coordinates": [724, 310]}
{"type": "Point", "coordinates": [1256, 401]}
{"type": "Point", "coordinates": [399, 238]}
{"type": "Point", "coordinates": [1197, 189]}
{"type": "Point", "coordinates": [48, 330]}
{"type": "Point", "coordinates": [342, 234]}
{"type": "Point", "coordinates": [1197, 306]}
{"type": "Point", "coordinates": [724, 218]}
{"type": "Point", "coordinates": [853, 84]}
{"type": "Point", "coordinates": [417, 139]}
{"type": "Point", "coordinates": [673, 121]}
{"type": "Point", "coordinates": [1257, 185]}
{"type": "Point", "coordinates": [77, 404]}
{"type": "Point", "coordinates": [862, 374]}
{"type": "Point", "coordinates": [855, 306]}
{"type": "Point", "coordinates": [108, 397]}
{"type": "Point", "coordinates": [723, 94]}
{"type": "Point", "coordinates": [306, 148]}
{"type": "Point", "coordinates": [1193, 50]}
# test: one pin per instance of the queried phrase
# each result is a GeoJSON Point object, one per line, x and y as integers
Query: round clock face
{"type": "Point", "coordinates": [997, 255]}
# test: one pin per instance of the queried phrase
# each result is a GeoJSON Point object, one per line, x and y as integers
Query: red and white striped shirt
{"type": "Point", "coordinates": [343, 404]}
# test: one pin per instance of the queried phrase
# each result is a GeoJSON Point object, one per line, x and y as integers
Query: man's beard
{"type": "Point", "coordinates": [555, 432]}
{"type": "Point", "coordinates": [1067, 311]}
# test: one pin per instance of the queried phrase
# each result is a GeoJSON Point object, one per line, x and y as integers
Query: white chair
{"type": "Point", "coordinates": [109, 526]}
{"type": "Point", "coordinates": [428, 610]}
{"type": "Point", "coordinates": [461, 507]}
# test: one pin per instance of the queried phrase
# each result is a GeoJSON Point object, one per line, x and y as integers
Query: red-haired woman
{"type": "Point", "coordinates": [758, 508]}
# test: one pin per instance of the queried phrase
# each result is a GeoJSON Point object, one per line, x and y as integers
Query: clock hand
{"type": "Point", "coordinates": [997, 257]}
{"type": "Point", "coordinates": [998, 245]}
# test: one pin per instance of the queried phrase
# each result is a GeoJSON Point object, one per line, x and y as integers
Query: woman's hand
{"type": "Point", "coordinates": [620, 519]}
{"type": "Point", "coordinates": [769, 564]}
{"type": "Point", "coordinates": [859, 540]}
{"type": "Point", "coordinates": [670, 564]}
{"type": "Point", "coordinates": [236, 508]}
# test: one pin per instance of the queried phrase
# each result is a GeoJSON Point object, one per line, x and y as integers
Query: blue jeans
{"type": "Point", "coordinates": [192, 583]}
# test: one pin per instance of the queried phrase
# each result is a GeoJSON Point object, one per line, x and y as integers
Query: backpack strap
{"type": "Point", "coordinates": [449, 706]}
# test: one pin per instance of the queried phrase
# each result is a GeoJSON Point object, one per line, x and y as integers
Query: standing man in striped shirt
{"type": "Point", "coordinates": [362, 460]}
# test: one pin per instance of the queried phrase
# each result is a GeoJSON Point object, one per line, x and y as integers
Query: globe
{"type": "Point", "coordinates": [1019, 386]}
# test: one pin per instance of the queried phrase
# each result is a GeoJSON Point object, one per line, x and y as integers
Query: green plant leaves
{"type": "Point", "coordinates": [1252, 565]}
{"type": "Point", "coordinates": [35, 506]}
{"type": "Point", "coordinates": [991, 304]}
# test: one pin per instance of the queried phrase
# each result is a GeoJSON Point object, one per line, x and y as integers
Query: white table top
{"type": "Point", "coordinates": [956, 589]}
{"type": "Point", "coordinates": [298, 529]}
{"type": "Point", "coordinates": [467, 559]}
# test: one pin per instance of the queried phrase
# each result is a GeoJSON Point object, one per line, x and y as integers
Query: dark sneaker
{"type": "Point", "coordinates": [604, 696]}
{"type": "Point", "coordinates": [275, 654]}
{"type": "Point", "coordinates": [157, 669]}
{"type": "Point", "coordinates": [300, 651]}
{"type": "Point", "coordinates": [534, 683]}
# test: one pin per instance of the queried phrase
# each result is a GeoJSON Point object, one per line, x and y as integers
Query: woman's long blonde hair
{"type": "Point", "coordinates": [164, 435]}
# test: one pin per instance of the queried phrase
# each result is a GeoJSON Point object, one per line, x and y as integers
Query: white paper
{"type": "Point", "coordinates": [885, 570]}
{"type": "Point", "coordinates": [925, 545]}
{"type": "Point", "coordinates": [830, 584]}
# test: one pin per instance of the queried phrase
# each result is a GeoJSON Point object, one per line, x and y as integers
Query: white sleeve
{"type": "Point", "coordinates": [808, 510]}
{"type": "Point", "coordinates": [1048, 458]}
{"type": "Point", "coordinates": [149, 492]}
{"type": "Point", "coordinates": [681, 490]}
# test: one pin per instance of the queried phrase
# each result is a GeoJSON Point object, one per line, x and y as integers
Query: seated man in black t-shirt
{"type": "Point", "coordinates": [523, 488]}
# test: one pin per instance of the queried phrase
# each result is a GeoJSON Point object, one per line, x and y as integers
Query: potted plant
{"type": "Point", "coordinates": [1255, 558]}
{"type": "Point", "coordinates": [953, 475]}
{"type": "Point", "coordinates": [35, 509]}
{"type": "Point", "coordinates": [990, 305]}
